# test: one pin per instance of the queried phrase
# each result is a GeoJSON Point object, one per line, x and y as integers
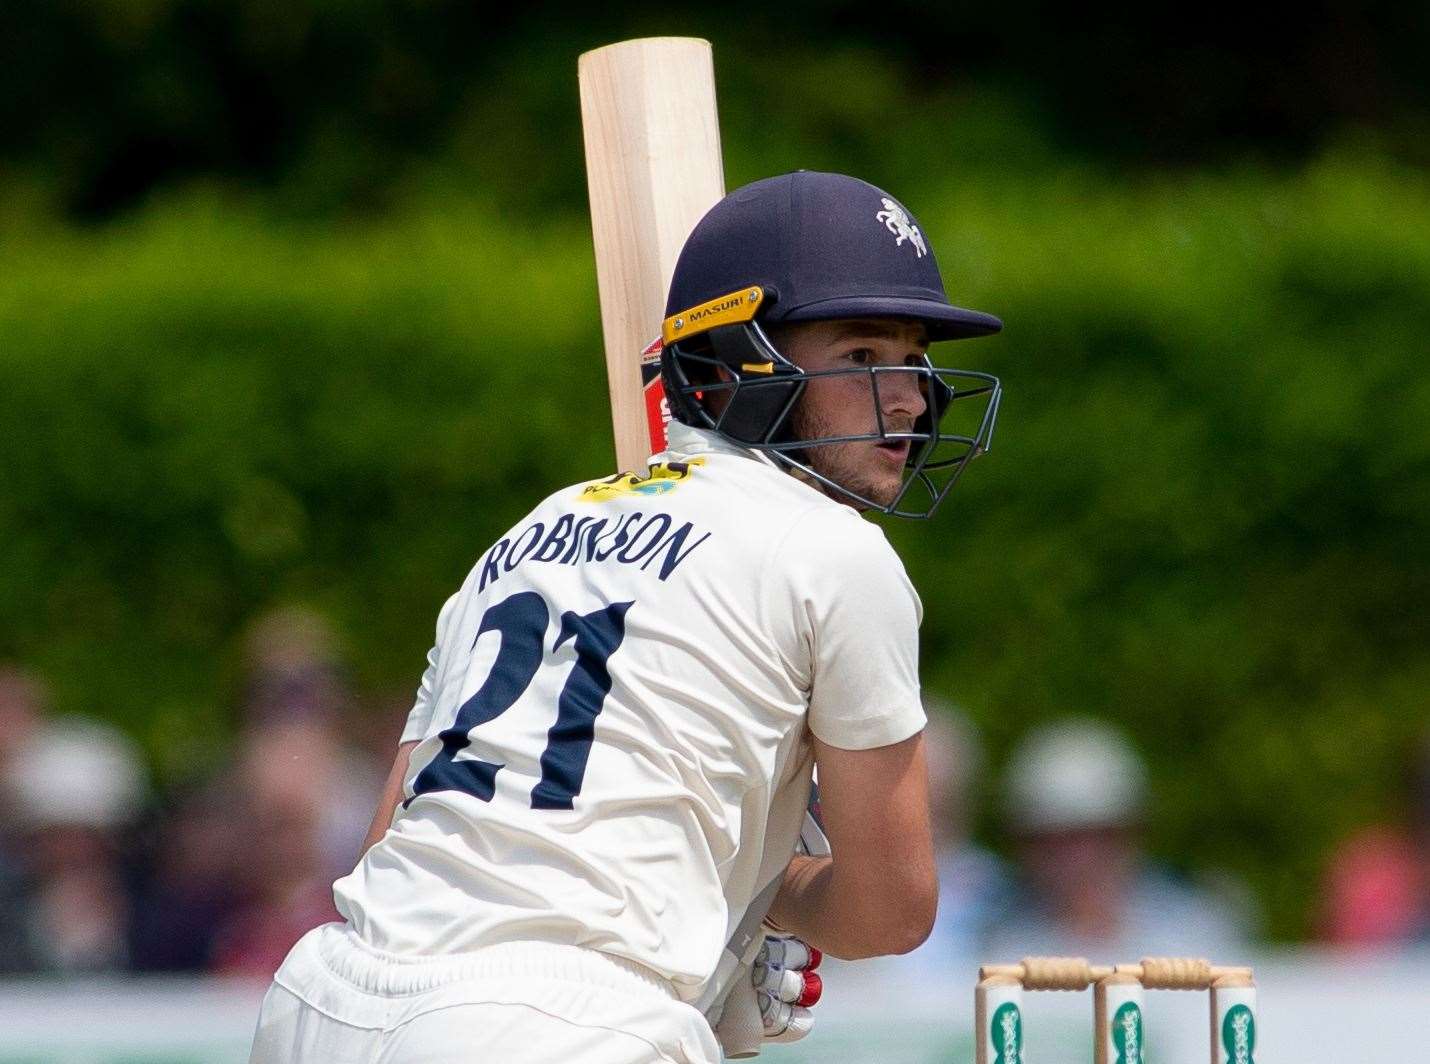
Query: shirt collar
{"type": "Point", "coordinates": [688, 440]}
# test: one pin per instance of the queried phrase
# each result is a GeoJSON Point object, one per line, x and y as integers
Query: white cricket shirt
{"type": "Point", "coordinates": [613, 722]}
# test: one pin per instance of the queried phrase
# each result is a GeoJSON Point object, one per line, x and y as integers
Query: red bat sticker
{"type": "Point", "coordinates": [657, 410]}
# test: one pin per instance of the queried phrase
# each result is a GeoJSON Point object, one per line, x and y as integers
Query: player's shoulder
{"type": "Point", "coordinates": [827, 534]}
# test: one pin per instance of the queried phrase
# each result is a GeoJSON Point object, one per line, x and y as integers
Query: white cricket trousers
{"type": "Point", "coordinates": [335, 1000]}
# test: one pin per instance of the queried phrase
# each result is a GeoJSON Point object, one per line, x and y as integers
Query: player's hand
{"type": "Point", "coordinates": [786, 987]}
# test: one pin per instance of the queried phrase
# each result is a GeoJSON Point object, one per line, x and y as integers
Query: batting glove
{"type": "Point", "coordinates": [786, 987]}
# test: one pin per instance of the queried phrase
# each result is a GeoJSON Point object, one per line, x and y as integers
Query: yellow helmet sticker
{"type": "Point", "coordinates": [660, 479]}
{"type": "Point", "coordinates": [723, 310]}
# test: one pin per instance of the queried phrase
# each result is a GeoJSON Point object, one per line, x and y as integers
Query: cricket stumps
{"type": "Point", "coordinates": [1118, 1004]}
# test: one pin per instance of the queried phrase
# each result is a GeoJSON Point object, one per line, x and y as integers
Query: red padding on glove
{"type": "Point", "coordinates": [813, 987]}
{"type": "Point", "coordinates": [815, 956]}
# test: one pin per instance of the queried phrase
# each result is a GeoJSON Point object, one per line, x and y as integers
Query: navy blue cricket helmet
{"type": "Point", "coordinates": [804, 247]}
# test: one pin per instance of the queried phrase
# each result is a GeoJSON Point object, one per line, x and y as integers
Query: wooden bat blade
{"type": "Point", "coordinates": [653, 168]}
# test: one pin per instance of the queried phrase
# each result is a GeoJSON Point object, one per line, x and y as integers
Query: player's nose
{"type": "Point", "coordinates": [900, 394]}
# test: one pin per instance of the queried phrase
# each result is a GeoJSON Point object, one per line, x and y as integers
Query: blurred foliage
{"type": "Point", "coordinates": [1207, 511]}
{"type": "Point", "coordinates": [336, 103]}
{"type": "Point", "coordinates": [346, 332]}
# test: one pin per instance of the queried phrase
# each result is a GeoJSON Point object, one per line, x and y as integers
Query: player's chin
{"type": "Point", "coordinates": [887, 491]}
{"type": "Point", "coordinates": [881, 489]}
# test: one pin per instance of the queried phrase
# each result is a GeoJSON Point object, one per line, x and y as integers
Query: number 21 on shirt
{"type": "Point", "coordinates": [522, 620]}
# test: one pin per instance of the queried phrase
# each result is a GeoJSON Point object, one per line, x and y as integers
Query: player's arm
{"type": "Point", "coordinates": [879, 892]}
{"type": "Point", "coordinates": [391, 795]}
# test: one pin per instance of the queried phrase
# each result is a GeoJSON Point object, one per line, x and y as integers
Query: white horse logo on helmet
{"type": "Point", "coordinates": [897, 221]}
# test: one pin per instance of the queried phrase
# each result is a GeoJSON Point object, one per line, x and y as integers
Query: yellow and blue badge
{"type": "Point", "coordinates": [660, 479]}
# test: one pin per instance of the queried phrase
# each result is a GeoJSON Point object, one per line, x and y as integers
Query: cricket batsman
{"type": "Point", "coordinates": [600, 789]}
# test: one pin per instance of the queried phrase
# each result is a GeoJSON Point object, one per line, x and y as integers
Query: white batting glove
{"type": "Point", "coordinates": [786, 987]}
{"type": "Point", "coordinates": [786, 983]}
{"type": "Point", "coordinates": [765, 981]}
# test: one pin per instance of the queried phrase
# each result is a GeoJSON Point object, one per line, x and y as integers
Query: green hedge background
{"type": "Point", "coordinates": [1205, 514]}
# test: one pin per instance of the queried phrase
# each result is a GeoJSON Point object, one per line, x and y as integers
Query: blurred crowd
{"type": "Point", "coordinates": [1076, 877]}
{"type": "Point", "coordinates": [99, 873]}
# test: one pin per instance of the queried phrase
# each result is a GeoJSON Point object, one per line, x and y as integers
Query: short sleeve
{"type": "Point", "coordinates": [420, 716]}
{"type": "Point", "coordinates": [856, 616]}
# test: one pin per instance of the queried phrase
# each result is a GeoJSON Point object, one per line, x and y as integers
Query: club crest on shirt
{"type": "Point", "coordinates": [660, 479]}
{"type": "Point", "coordinates": [898, 222]}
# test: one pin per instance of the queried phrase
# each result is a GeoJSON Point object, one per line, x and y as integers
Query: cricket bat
{"type": "Point", "coordinates": [653, 168]}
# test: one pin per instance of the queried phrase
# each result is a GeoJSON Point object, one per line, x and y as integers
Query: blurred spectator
{"type": "Point", "coordinates": [22, 704]}
{"type": "Point", "coordinates": [305, 789]}
{"type": "Point", "coordinates": [1378, 885]}
{"type": "Point", "coordinates": [301, 746]}
{"type": "Point", "coordinates": [244, 866]}
{"type": "Point", "coordinates": [75, 787]}
{"type": "Point", "coordinates": [1075, 801]}
{"type": "Point", "coordinates": [191, 885]}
